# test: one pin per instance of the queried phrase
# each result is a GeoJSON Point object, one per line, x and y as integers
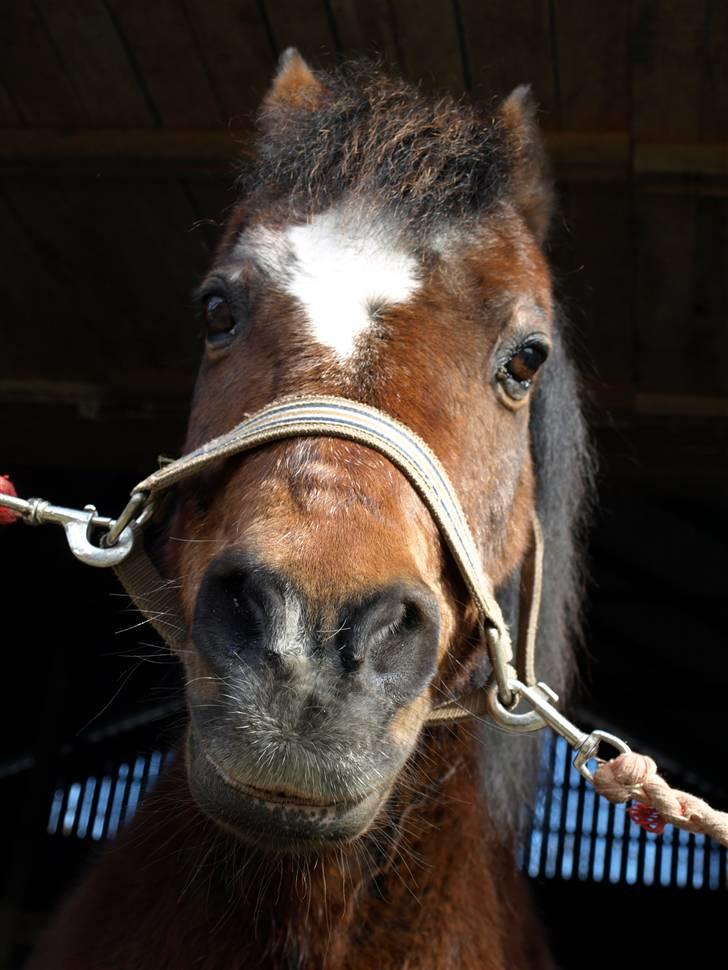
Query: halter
{"type": "Point", "coordinates": [121, 548]}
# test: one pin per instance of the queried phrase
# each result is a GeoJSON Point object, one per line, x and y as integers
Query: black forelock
{"type": "Point", "coordinates": [425, 159]}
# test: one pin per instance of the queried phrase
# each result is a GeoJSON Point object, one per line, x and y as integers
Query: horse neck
{"type": "Point", "coordinates": [430, 887]}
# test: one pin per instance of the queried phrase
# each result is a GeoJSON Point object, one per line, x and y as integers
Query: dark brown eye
{"type": "Point", "coordinates": [219, 319]}
{"type": "Point", "coordinates": [516, 374]}
{"type": "Point", "coordinates": [523, 365]}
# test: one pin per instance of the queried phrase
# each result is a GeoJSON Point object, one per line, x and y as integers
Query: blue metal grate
{"type": "Point", "coordinates": [97, 806]}
{"type": "Point", "coordinates": [574, 833]}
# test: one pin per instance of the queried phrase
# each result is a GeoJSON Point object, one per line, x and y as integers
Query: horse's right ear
{"type": "Point", "coordinates": [531, 183]}
{"type": "Point", "coordinates": [294, 86]}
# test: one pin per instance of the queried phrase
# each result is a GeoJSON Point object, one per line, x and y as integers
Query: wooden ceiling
{"type": "Point", "coordinates": [121, 121]}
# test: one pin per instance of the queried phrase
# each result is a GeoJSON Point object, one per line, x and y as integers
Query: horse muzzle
{"type": "Point", "coordinates": [278, 817]}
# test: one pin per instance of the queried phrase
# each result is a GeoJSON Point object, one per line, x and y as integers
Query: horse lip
{"type": "Point", "coordinates": [276, 796]}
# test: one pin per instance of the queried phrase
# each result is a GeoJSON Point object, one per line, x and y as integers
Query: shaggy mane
{"type": "Point", "coordinates": [427, 160]}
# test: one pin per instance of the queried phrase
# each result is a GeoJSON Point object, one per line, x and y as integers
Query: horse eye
{"type": "Point", "coordinates": [219, 319]}
{"type": "Point", "coordinates": [524, 364]}
{"type": "Point", "coordinates": [517, 373]}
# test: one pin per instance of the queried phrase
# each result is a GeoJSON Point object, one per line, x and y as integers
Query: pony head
{"type": "Point", "coordinates": [387, 247]}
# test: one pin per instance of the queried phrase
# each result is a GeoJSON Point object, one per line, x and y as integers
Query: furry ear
{"type": "Point", "coordinates": [531, 182]}
{"type": "Point", "coordinates": [295, 86]}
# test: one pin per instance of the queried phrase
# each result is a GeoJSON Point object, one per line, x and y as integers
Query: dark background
{"type": "Point", "coordinates": [120, 122]}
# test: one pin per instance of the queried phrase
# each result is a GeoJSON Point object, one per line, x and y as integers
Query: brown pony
{"type": "Point", "coordinates": [388, 248]}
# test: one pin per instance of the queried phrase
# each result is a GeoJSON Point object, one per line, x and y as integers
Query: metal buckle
{"type": "Point", "coordinates": [541, 698]}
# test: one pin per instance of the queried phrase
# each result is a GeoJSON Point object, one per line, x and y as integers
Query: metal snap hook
{"type": "Point", "coordinates": [507, 718]}
{"type": "Point", "coordinates": [78, 528]}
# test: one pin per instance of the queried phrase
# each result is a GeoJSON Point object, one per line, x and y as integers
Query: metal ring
{"type": "Point", "coordinates": [137, 501]}
{"type": "Point", "coordinates": [524, 723]}
{"type": "Point", "coordinates": [589, 749]}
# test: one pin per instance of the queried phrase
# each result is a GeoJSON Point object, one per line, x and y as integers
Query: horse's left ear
{"type": "Point", "coordinates": [531, 183]}
{"type": "Point", "coordinates": [294, 85]}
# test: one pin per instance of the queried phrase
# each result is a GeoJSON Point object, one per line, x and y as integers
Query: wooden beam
{"type": "Point", "coordinates": [576, 155]}
{"type": "Point", "coordinates": [132, 152]}
{"type": "Point", "coordinates": [146, 395]}
{"type": "Point", "coordinates": [589, 155]}
{"type": "Point", "coordinates": [623, 401]}
{"type": "Point", "coordinates": [701, 160]}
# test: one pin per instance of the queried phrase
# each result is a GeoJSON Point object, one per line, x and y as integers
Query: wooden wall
{"type": "Point", "coordinates": [121, 121]}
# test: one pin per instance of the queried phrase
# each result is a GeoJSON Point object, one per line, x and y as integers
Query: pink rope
{"type": "Point", "coordinates": [7, 488]}
{"type": "Point", "coordinates": [634, 776]}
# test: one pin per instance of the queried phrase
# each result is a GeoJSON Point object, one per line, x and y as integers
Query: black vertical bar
{"type": "Point", "coordinates": [609, 844]}
{"type": "Point", "coordinates": [593, 846]}
{"type": "Point", "coordinates": [641, 856]}
{"type": "Point", "coordinates": [659, 849]}
{"type": "Point", "coordinates": [707, 849]}
{"type": "Point", "coordinates": [579, 831]}
{"type": "Point", "coordinates": [675, 856]}
{"type": "Point", "coordinates": [547, 805]}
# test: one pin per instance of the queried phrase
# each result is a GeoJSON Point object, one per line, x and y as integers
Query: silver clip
{"type": "Point", "coordinates": [541, 698]}
{"type": "Point", "coordinates": [78, 525]}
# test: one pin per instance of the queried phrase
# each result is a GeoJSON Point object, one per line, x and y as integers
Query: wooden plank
{"type": "Point", "coordinates": [594, 261]}
{"type": "Point", "coordinates": [366, 29]}
{"type": "Point", "coordinates": [52, 282]}
{"type": "Point", "coordinates": [212, 202]}
{"type": "Point", "coordinates": [590, 156]}
{"type": "Point", "coordinates": [148, 263]}
{"type": "Point", "coordinates": [304, 24]}
{"type": "Point", "coordinates": [19, 291]}
{"type": "Point", "coordinates": [238, 52]}
{"type": "Point", "coordinates": [593, 64]}
{"type": "Point", "coordinates": [511, 44]}
{"type": "Point", "coordinates": [668, 47]}
{"type": "Point", "coordinates": [109, 280]}
{"type": "Point", "coordinates": [167, 57]}
{"type": "Point", "coordinates": [108, 438]}
{"type": "Point", "coordinates": [710, 298]}
{"type": "Point", "coordinates": [575, 155]}
{"type": "Point", "coordinates": [32, 72]}
{"type": "Point", "coordinates": [714, 106]}
{"type": "Point", "coordinates": [668, 358]}
{"type": "Point", "coordinates": [156, 222]}
{"type": "Point", "coordinates": [429, 46]}
{"type": "Point", "coordinates": [87, 41]}
{"type": "Point", "coordinates": [106, 145]}
{"type": "Point", "coordinates": [681, 159]}
{"type": "Point", "coordinates": [9, 116]}
{"type": "Point", "coordinates": [148, 391]}
{"type": "Point", "coordinates": [165, 391]}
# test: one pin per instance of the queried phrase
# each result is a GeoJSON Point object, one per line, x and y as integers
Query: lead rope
{"type": "Point", "coordinates": [628, 776]}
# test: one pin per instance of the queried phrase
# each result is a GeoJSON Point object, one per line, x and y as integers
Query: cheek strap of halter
{"type": "Point", "coordinates": [337, 417]}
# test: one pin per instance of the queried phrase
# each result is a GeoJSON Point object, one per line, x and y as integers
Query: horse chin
{"type": "Point", "coordinates": [275, 821]}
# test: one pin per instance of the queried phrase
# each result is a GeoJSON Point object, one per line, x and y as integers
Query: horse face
{"type": "Point", "coordinates": [326, 619]}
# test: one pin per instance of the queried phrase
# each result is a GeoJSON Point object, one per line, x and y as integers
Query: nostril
{"type": "Point", "coordinates": [237, 608]}
{"type": "Point", "coordinates": [406, 618]}
{"type": "Point", "coordinates": [248, 616]}
{"type": "Point", "coordinates": [395, 634]}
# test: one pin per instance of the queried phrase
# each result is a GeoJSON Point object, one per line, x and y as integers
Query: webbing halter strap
{"type": "Point", "coordinates": [123, 550]}
{"type": "Point", "coordinates": [341, 418]}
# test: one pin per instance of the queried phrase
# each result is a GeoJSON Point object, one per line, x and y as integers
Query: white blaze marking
{"type": "Point", "coordinates": [340, 270]}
